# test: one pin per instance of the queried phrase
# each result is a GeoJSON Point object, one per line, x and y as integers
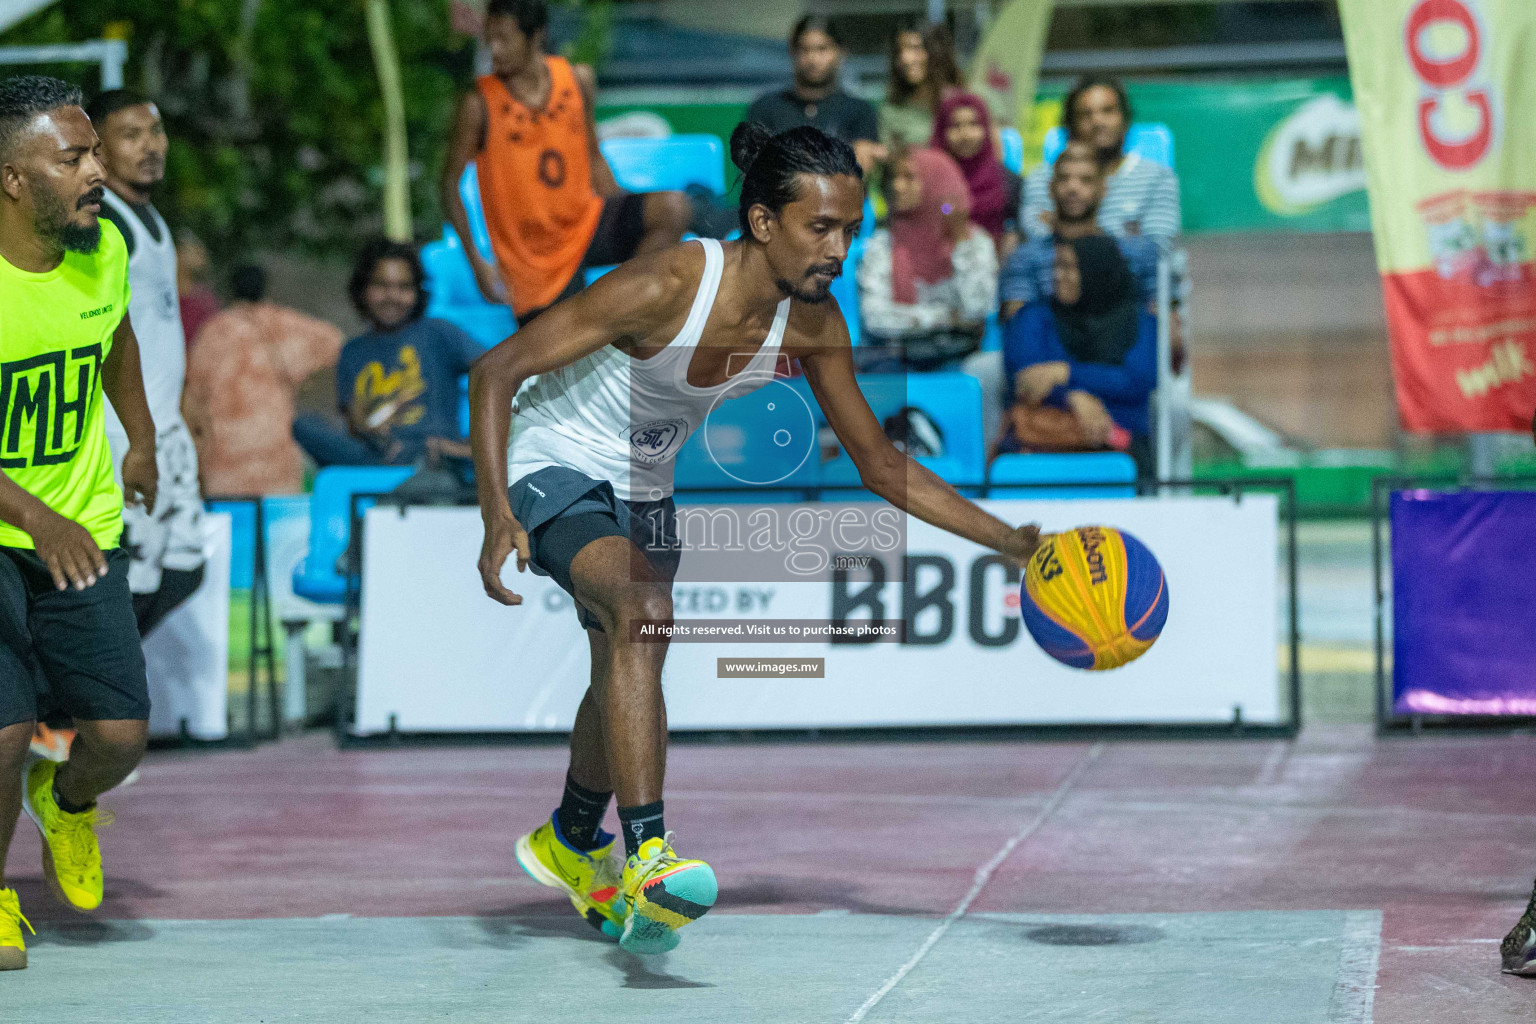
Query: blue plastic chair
{"type": "Point", "coordinates": [953, 400]}
{"type": "Point", "coordinates": [746, 444]}
{"type": "Point", "coordinates": [330, 525]}
{"type": "Point", "coordinates": [846, 291]}
{"type": "Point", "coordinates": [469, 192]}
{"type": "Point", "coordinates": [1008, 474]}
{"type": "Point", "coordinates": [453, 295]}
{"type": "Point", "coordinates": [672, 163]}
{"type": "Point", "coordinates": [1013, 149]}
{"type": "Point", "coordinates": [1151, 141]}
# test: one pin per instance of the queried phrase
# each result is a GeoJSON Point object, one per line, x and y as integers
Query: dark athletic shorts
{"type": "Point", "coordinates": [76, 650]}
{"type": "Point", "coordinates": [619, 232]}
{"type": "Point", "coordinates": [564, 511]}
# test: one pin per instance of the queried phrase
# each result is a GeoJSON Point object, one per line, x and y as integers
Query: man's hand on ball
{"type": "Point", "coordinates": [1020, 543]}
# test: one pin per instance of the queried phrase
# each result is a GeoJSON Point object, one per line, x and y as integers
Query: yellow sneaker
{"type": "Point", "coordinates": [663, 892]}
{"type": "Point", "coordinates": [13, 948]}
{"type": "Point", "coordinates": [590, 879]}
{"type": "Point", "coordinates": [71, 858]}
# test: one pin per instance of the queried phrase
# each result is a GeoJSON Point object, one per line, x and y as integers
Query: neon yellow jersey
{"type": "Point", "coordinates": [55, 333]}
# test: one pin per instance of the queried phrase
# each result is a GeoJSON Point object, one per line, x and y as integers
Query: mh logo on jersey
{"type": "Point", "coordinates": [45, 400]}
{"type": "Point", "coordinates": [657, 440]}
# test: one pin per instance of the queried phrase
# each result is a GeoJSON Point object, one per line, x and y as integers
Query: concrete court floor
{"type": "Point", "coordinates": [1336, 879]}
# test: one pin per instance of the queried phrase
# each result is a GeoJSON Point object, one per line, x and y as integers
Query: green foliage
{"type": "Point", "coordinates": [591, 44]}
{"type": "Point", "coordinates": [273, 109]}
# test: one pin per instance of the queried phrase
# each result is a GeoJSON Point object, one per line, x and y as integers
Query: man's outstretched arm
{"type": "Point", "coordinates": [890, 473]}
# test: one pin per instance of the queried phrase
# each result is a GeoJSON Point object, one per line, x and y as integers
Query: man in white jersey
{"type": "Point", "coordinates": [627, 370]}
{"type": "Point", "coordinates": [166, 545]}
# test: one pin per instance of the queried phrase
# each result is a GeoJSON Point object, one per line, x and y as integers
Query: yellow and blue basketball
{"type": "Point", "coordinates": [1094, 598]}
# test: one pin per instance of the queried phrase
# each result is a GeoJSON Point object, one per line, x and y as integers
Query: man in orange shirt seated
{"type": "Point", "coordinates": [551, 203]}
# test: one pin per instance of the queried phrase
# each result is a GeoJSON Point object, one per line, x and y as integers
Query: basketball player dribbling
{"type": "Point", "coordinates": [656, 341]}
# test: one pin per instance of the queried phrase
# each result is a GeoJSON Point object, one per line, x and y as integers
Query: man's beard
{"type": "Point", "coordinates": [1088, 216]}
{"type": "Point", "coordinates": [815, 296]}
{"type": "Point", "coordinates": [826, 81]}
{"type": "Point", "coordinates": [53, 221]}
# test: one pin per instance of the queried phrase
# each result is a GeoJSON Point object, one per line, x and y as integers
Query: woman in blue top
{"type": "Point", "coordinates": [1082, 366]}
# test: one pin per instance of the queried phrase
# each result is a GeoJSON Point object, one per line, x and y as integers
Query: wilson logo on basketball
{"type": "Point", "coordinates": [1093, 538]}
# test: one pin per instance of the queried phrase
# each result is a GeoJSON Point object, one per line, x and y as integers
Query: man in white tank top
{"type": "Point", "coordinates": [166, 546]}
{"type": "Point", "coordinates": [626, 371]}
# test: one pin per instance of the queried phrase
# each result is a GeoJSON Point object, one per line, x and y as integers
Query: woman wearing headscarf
{"type": "Point", "coordinates": [928, 280]}
{"type": "Point", "coordinates": [1082, 365]}
{"type": "Point", "coordinates": [963, 129]}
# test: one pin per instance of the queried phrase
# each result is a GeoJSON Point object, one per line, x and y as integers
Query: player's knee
{"type": "Point", "coordinates": [121, 742]}
{"type": "Point", "coordinates": [646, 603]}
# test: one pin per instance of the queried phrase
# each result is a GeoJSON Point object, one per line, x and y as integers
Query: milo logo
{"type": "Point", "coordinates": [1093, 542]}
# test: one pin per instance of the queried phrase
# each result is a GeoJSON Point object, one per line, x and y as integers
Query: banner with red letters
{"type": "Point", "coordinates": [1447, 101]}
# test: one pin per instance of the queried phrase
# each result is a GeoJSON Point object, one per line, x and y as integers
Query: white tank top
{"type": "Point", "coordinates": [620, 419]}
{"type": "Point", "coordinates": [155, 309]}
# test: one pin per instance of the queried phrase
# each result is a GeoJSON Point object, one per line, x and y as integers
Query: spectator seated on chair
{"type": "Point", "coordinates": [1028, 275]}
{"type": "Point", "coordinates": [1077, 193]}
{"type": "Point", "coordinates": [815, 98]}
{"type": "Point", "coordinates": [928, 280]}
{"type": "Point", "coordinates": [398, 384]}
{"type": "Point", "coordinates": [1140, 197]}
{"type": "Point", "coordinates": [963, 129]}
{"type": "Point", "coordinates": [551, 203]}
{"type": "Point", "coordinates": [244, 375]}
{"type": "Point", "coordinates": [1083, 365]}
{"type": "Point", "coordinates": [922, 69]}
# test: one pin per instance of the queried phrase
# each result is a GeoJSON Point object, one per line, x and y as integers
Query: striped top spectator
{"type": "Point", "coordinates": [1142, 198]}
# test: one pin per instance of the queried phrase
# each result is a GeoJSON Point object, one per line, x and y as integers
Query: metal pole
{"type": "Point", "coordinates": [114, 56]}
{"type": "Point", "coordinates": [1164, 435]}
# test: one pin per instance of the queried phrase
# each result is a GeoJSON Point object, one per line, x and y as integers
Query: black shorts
{"type": "Point", "coordinates": [564, 511]}
{"type": "Point", "coordinates": [76, 650]}
{"type": "Point", "coordinates": [619, 232]}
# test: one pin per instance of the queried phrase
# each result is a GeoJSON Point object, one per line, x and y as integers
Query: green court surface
{"type": "Point", "coordinates": [1260, 967]}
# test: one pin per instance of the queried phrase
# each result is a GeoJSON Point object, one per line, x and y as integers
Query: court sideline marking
{"type": "Point", "coordinates": [983, 876]}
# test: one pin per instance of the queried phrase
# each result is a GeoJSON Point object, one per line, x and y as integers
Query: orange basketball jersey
{"type": "Point", "coordinates": [536, 186]}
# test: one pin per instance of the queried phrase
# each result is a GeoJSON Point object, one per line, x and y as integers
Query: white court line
{"type": "Point", "coordinates": [983, 876]}
{"type": "Point", "coordinates": [1354, 992]}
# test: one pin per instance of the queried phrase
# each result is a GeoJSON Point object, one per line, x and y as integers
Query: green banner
{"type": "Point", "coordinates": [1277, 155]}
{"type": "Point", "coordinates": [1263, 156]}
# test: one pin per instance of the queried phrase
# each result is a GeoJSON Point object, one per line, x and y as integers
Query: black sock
{"type": "Point", "coordinates": [581, 814]}
{"type": "Point", "coordinates": [65, 805]}
{"type": "Point", "coordinates": [639, 824]}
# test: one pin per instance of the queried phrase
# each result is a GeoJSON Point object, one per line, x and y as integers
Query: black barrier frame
{"type": "Point", "coordinates": [1237, 728]}
{"type": "Point", "coordinates": [1388, 721]}
{"type": "Point", "coordinates": [262, 652]}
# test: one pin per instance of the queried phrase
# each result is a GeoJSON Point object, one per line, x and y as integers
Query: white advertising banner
{"type": "Point", "coordinates": [437, 655]}
{"type": "Point", "coordinates": [187, 656]}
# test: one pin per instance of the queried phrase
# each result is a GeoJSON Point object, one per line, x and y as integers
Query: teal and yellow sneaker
{"type": "Point", "coordinates": [71, 857]}
{"type": "Point", "coordinates": [590, 879]}
{"type": "Point", "coordinates": [13, 948]}
{"type": "Point", "coordinates": [663, 892]}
